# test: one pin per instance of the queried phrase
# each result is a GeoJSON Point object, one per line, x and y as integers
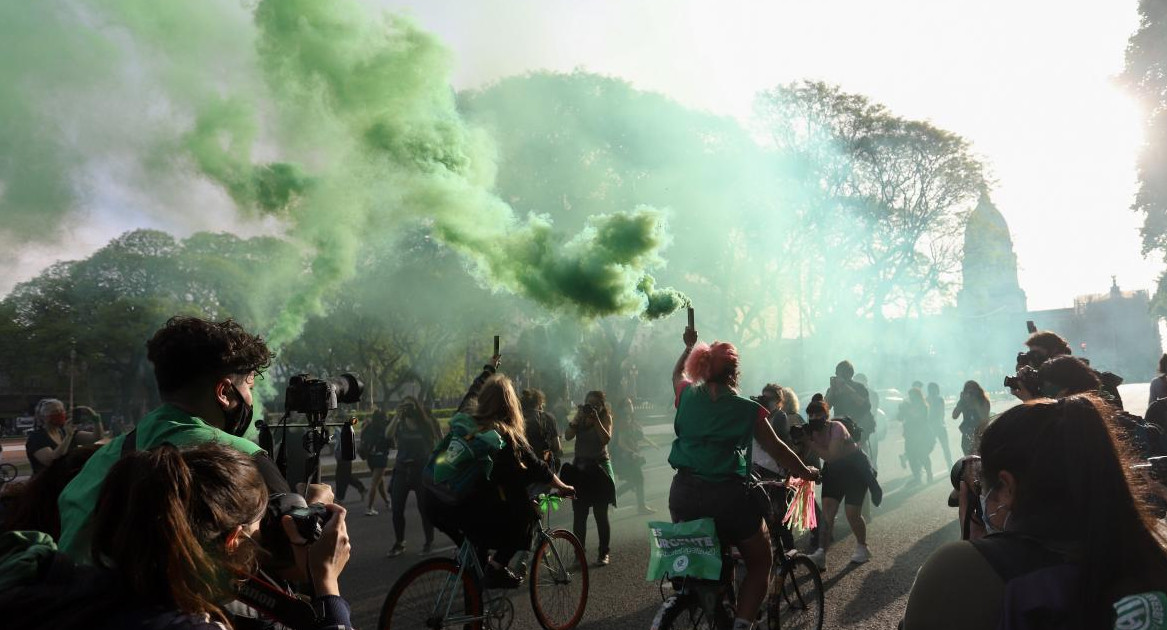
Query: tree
{"type": "Point", "coordinates": [876, 202]}
{"type": "Point", "coordinates": [1146, 77]}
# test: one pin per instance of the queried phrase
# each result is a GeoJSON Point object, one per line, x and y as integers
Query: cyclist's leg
{"type": "Point", "coordinates": [758, 558]}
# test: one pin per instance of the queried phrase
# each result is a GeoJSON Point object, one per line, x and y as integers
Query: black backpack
{"type": "Point", "coordinates": [852, 427]}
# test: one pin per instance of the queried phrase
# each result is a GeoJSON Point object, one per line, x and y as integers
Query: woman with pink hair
{"type": "Point", "coordinates": [716, 428]}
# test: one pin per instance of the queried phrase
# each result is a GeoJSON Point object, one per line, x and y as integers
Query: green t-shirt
{"type": "Point", "coordinates": [714, 437]}
{"type": "Point", "coordinates": [165, 425]}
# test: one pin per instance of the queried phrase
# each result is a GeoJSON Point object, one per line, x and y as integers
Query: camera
{"type": "Point", "coordinates": [1032, 358]}
{"type": "Point", "coordinates": [797, 433]}
{"type": "Point", "coordinates": [308, 519]}
{"type": "Point", "coordinates": [317, 396]}
{"type": "Point", "coordinates": [1026, 377]}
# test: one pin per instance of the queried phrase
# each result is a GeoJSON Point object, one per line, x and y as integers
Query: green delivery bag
{"type": "Point", "coordinates": [688, 549]}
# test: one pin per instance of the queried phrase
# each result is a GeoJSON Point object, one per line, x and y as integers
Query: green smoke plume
{"type": "Point", "coordinates": [337, 121]}
{"type": "Point", "coordinates": [371, 98]}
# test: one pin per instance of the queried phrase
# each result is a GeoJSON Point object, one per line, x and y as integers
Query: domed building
{"type": "Point", "coordinates": [989, 269]}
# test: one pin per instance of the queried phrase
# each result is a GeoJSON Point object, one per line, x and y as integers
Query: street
{"type": "Point", "coordinates": [904, 530]}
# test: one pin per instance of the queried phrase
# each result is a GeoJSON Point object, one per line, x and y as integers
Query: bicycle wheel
{"type": "Point", "coordinates": [7, 473]}
{"type": "Point", "coordinates": [559, 581]}
{"type": "Point", "coordinates": [683, 611]}
{"type": "Point", "coordinates": [796, 596]}
{"type": "Point", "coordinates": [429, 595]}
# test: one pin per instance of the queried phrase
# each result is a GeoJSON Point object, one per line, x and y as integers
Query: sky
{"type": "Point", "coordinates": [1031, 84]}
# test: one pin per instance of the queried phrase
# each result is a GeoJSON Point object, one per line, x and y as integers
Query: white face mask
{"type": "Point", "coordinates": [985, 516]}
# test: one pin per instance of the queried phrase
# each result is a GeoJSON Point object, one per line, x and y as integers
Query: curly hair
{"type": "Point", "coordinates": [713, 363]}
{"type": "Point", "coordinates": [532, 399]}
{"type": "Point", "coordinates": [190, 350]}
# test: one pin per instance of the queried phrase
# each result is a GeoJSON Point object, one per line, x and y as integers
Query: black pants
{"type": "Point", "coordinates": [345, 478]}
{"type": "Point", "coordinates": [406, 479]}
{"type": "Point", "coordinates": [603, 526]}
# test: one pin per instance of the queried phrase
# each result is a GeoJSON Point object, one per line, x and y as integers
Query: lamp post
{"type": "Point", "coordinates": [72, 362]}
{"type": "Point", "coordinates": [632, 374]}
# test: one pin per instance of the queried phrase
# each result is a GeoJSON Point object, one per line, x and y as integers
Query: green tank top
{"type": "Point", "coordinates": [714, 437]}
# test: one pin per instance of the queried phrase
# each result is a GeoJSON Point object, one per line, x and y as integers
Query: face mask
{"type": "Point", "coordinates": [985, 516]}
{"type": "Point", "coordinates": [238, 420]}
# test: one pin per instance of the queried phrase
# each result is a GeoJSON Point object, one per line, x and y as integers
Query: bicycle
{"type": "Point", "coordinates": [8, 473]}
{"type": "Point", "coordinates": [794, 598]}
{"type": "Point", "coordinates": [441, 592]}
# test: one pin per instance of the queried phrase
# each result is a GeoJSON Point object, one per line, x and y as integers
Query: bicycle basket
{"type": "Point", "coordinates": [688, 549]}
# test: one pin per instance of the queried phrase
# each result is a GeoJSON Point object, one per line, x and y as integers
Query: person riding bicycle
{"type": "Point", "coordinates": [715, 429]}
{"type": "Point", "coordinates": [498, 514]}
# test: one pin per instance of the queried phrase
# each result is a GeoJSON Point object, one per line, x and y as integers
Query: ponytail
{"type": "Point", "coordinates": [1074, 478]}
{"type": "Point", "coordinates": [162, 519]}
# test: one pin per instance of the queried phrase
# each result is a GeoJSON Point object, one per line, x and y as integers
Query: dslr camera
{"type": "Point", "coordinates": [1026, 377]}
{"type": "Point", "coordinates": [797, 433]}
{"type": "Point", "coordinates": [318, 396]}
{"type": "Point", "coordinates": [309, 520]}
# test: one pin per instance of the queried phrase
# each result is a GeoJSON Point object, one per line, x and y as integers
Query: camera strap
{"type": "Point", "coordinates": [276, 603]}
{"type": "Point", "coordinates": [130, 443]}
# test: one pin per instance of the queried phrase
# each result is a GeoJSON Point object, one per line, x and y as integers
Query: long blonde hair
{"type": "Point", "coordinates": [498, 408]}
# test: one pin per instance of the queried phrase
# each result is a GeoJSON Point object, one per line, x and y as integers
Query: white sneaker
{"type": "Point", "coordinates": [819, 558]}
{"type": "Point", "coordinates": [371, 512]}
{"type": "Point", "coordinates": [862, 554]}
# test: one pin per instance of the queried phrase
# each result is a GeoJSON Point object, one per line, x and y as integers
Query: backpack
{"type": "Point", "coordinates": [461, 461]}
{"type": "Point", "coordinates": [852, 427]}
{"type": "Point", "coordinates": [1042, 587]}
{"type": "Point", "coordinates": [365, 449]}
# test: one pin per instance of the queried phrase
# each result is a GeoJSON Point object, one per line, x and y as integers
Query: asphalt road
{"type": "Point", "coordinates": [903, 531]}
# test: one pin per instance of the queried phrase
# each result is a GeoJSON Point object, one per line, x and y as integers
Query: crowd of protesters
{"type": "Point", "coordinates": [1059, 497]}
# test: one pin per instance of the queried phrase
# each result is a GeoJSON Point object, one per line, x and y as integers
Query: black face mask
{"type": "Point", "coordinates": [237, 421]}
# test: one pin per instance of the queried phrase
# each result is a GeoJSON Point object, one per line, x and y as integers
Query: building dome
{"type": "Point", "coordinates": [989, 265]}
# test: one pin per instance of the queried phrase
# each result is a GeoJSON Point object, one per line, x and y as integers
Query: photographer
{"type": "Point", "coordinates": [847, 477]}
{"type": "Point", "coordinates": [204, 371]}
{"type": "Point", "coordinates": [849, 398]}
{"type": "Point", "coordinates": [1069, 535]}
{"type": "Point", "coordinates": [591, 471]}
{"type": "Point", "coordinates": [974, 407]}
{"type": "Point", "coordinates": [172, 531]}
{"type": "Point", "coordinates": [1044, 346]}
{"type": "Point", "coordinates": [416, 434]}
{"type": "Point", "coordinates": [55, 434]}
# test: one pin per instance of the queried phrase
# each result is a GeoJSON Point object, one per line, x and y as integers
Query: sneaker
{"type": "Point", "coordinates": [427, 548]}
{"type": "Point", "coordinates": [645, 510]}
{"type": "Point", "coordinates": [604, 560]}
{"type": "Point", "coordinates": [500, 577]}
{"type": "Point", "coordinates": [371, 512]}
{"type": "Point", "coordinates": [397, 550]}
{"type": "Point", "coordinates": [819, 558]}
{"type": "Point", "coordinates": [862, 554]}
